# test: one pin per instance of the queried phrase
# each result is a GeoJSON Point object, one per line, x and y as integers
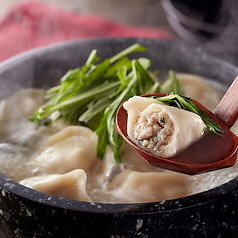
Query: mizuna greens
{"type": "Point", "coordinates": [186, 103]}
{"type": "Point", "coordinates": [90, 95]}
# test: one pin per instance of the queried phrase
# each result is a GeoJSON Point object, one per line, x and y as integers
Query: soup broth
{"type": "Point", "coordinates": [61, 159]}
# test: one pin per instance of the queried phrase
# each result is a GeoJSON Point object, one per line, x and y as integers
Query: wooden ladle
{"type": "Point", "coordinates": [210, 153]}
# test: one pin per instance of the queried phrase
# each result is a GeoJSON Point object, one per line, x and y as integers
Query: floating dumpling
{"type": "Point", "coordinates": [67, 150]}
{"type": "Point", "coordinates": [160, 129]}
{"type": "Point", "coordinates": [71, 185]}
{"type": "Point", "coordinates": [148, 186]}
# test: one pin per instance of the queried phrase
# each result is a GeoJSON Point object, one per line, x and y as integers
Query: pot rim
{"type": "Point", "coordinates": [10, 187]}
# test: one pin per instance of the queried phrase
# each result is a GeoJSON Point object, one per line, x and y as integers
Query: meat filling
{"type": "Point", "coordinates": [154, 130]}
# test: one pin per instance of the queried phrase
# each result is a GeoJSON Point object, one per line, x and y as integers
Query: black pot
{"type": "Point", "coordinates": [28, 213]}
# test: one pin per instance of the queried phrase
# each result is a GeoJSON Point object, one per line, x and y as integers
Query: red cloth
{"type": "Point", "coordinates": [33, 24]}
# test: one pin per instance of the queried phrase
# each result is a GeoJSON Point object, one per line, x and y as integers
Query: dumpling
{"type": "Point", "coordinates": [71, 185]}
{"type": "Point", "coordinates": [160, 129]}
{"type": "Point", "coordinates": [74, 147]}
{"type": "Point", "coordinates": [133, 186]}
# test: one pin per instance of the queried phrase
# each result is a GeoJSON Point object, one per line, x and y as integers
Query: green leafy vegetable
{"type": "Point", "coordinates": [172, 84]}
{"type": "Point", "coordinates": [162, 120]}
{"type": "Point", "coordinates": [90, 95]}
{"type": "Point", "coordinates": [186, 103]}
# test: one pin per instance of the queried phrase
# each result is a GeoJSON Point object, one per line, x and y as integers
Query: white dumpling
{"type": "Point", "coordinates": [71, 185]}
{"type": "Point", "coordinates": [133, 186]}
{"type": "Point", "coordinates": [160, 129]}
{"type": "Point", "coordinates": [74, 147]}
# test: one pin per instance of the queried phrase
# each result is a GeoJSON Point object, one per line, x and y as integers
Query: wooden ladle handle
{"type": "Point", "coordinates": [227, 109]}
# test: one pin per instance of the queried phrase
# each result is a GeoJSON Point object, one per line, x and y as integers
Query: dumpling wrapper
{"type": "Point", "coordinates": [160, 129]}
{"type": "Point", "coordinates": [143, 187]}
{"type": "Point", "coordinates": [71, 185]}
{"type": "Point", "coordinates": [74, 147]}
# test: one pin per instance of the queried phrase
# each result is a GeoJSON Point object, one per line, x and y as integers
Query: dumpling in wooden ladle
{"type": "Point", "coordinates": [160, 129]}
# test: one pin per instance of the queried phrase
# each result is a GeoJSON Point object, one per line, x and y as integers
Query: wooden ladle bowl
{"type": "Point", "coordinates": [210, 153]}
